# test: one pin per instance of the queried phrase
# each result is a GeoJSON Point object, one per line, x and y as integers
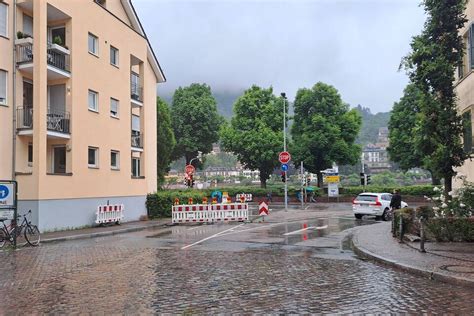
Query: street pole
{"type": "Point", "coordinates": [302, 184]}
{"type": "Point", "coordinates": [363, 168]}
{"type": "Point", "coordinates": [283, 94]}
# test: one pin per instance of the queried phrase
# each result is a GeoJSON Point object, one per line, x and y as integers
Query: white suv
{"type": "Point", "coordinates": [375, 204]}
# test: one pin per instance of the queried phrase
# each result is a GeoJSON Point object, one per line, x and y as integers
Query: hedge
{"type": "Point", "coordinates": [159, 204]}
{"type": "Point", "coordinates": [439, 229]}
{"type": "Point", "coordinates": [413, 190]}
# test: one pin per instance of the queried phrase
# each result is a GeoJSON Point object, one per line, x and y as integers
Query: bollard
{"type": "Point", "coordinates": [176, 201]}
{"type": "Point", "coordinates": [422, 235]}
{"type": "Point", "coordinates": [190, 200]}
{"type": "Point", "coordinates": [401, 228]}
{"type": "Point", "coordinates": [214, 200]}
{"type": "Point", "coordinates": [204, 200]}
{"type": "Point", "coordinates": [242, 198]}
{"type": "Point", "coordinates": [394, 231]}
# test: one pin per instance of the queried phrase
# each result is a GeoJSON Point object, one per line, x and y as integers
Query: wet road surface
{"type": "Point", "coordinates": [295, 262]}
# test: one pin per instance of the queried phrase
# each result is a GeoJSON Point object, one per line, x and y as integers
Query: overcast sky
{"type": "Point", "coordinates": [355, 45]}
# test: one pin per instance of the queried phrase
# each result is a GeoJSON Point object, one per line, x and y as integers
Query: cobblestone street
{"type": "Point", "coordinates": [133, 273]}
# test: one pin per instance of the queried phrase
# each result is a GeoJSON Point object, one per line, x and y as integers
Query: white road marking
{"type": "Point", "coordinates": [299, 230]}
{"type": "Point", "coordinates": [210, 237]}
{"type": "Point", "coordinates": [307, 228]}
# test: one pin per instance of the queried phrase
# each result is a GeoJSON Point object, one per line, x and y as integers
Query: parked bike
{"type": "Point", "coordinates": [26, 230]}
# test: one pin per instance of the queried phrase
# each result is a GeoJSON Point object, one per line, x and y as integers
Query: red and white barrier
{"type": "Point", "coordinates": [109, 214]}
{"type": "Point", "coordinates": [230, 212]}
{"type": "Point", "coordinates": [196, 213]}
{"type": "Point", "coordinates": [248, 197]}
{"type": "Point", "coordinates": [202, 213]}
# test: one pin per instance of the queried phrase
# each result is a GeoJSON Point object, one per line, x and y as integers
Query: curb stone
{"type": "Point", "coordinates": [432, 275]}
{"type": "Point", "coordinates": [100, 234]}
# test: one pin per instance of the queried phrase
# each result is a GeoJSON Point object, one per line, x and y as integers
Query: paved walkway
{"type": "Point", "coordinates": [448, 262]}
{"type": "Point", "coordinates": [100, 231]}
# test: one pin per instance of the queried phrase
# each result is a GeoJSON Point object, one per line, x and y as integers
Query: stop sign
{"type": "Point", "coordinates": [284, 157]}
{"type": "Point", "coordinates": [189, 169]}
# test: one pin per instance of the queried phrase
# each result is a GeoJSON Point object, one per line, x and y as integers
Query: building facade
{"type": "Point", "coordinates": [465, 92]}
{"type": "Point", "coordinates": [375, 156]}
{"type": "Point", "coordinates": [77, 108]}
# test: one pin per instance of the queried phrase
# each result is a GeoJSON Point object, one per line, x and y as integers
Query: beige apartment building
{"type": "Point", "coordinates": [77, 108]}
{"type": "Point", "coordinates": [465, 93]}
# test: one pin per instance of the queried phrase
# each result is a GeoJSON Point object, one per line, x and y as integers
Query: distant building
{"type": "Point", "coordinates": [375, 156]}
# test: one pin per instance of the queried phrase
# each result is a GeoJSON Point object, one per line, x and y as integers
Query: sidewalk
{"type": "Point", "coordinates": [447, 262]}
{"type": "Point", "coordinates": [98, 231]}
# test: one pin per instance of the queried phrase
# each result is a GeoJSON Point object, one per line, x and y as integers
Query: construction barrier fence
{"type": "Point", "coordinates": [204, 213]}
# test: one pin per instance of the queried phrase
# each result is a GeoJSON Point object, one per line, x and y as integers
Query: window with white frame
{"type": "Point", "coordinates": [114, 56]}
{"type": "Point", "coordinates": [93, 101]}
{"type": "Point", "coordinates": [93, 44]}
{"type": "Point", "coordinates": [135, 167]}
{"type": "Point", "coordinates": [114, 160]}
{"type": "Point", "coordinates": [93, 157]}
{"type": "Point", "coordinates": [114, 107]}
{"type": "Point", "coordinates": [3, 87]}
{"type": "Point", "coordinates": [3, 19]}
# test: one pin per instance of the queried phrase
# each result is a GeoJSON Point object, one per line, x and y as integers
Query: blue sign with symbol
{"type": "Point", "coordinates": [284, 167]}
{"type": "Point", "coordinates": [4, 191]}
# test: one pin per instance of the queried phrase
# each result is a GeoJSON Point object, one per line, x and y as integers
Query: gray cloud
{"type": "Point", "coordinates": [355, 45]}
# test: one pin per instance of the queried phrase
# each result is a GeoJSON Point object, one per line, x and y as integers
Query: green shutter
{"type": "Point", "coordinates": [471, 46]}
{"type": "Point", "coordinates": [467, 139]}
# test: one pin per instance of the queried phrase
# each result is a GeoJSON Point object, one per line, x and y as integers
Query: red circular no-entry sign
{"type": "Point", "coordinates": [189, 169]}
{"type": "Point", "coordinates": [284, 157]}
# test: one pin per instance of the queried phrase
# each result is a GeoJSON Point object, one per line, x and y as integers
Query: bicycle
{"type": "Point", "coordinates": [30, 232]}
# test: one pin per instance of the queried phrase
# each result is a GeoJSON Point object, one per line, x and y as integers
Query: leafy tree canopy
{"type": "Point", "coordinates": [255, 132]}
{"type": "Point", "coordinates": [431, 65]}
{"type": "Point", "coordinates": [324, 129]}
{"type": "Point", "coordinates": [165, 139]}
{"type": "Point", "coordinates": [195, 121]}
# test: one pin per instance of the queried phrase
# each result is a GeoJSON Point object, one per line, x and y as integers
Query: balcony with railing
{"type": "Point", "coordinates": [136, 93]}
{"type": "Point", "coordinates": [57, 122]}
{"type": "Point", "coordinates": [137, 140]}
{"type": "Point", "coordinates": [57, 57]}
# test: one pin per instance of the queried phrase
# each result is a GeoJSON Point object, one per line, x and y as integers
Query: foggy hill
{"type": "Point", "coordinates": [371, 124]}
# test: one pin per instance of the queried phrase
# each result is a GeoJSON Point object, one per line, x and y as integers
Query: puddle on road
{"type": "Point", "coordinates": [302, 231]}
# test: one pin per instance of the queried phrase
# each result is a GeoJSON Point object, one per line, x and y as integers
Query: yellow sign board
{"type": "Point", "coordinates": [332, 179]}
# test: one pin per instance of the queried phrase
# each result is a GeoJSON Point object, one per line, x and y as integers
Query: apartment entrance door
{"type": "Point", "coordinates": [59, 159]}
{"type": "Point", "coordinates": [27, 105]}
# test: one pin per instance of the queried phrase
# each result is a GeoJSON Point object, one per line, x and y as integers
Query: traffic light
{"type": "Point", "coordinates": [362, 178]}
{"type": "Point", "coordinates": [367, 179]}
{"type": "Point", "coordinates": [283, 177]}
{"type": "Point", "coordinates": [191, 181]}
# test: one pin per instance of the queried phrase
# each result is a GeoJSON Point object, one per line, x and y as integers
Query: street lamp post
{"type": "Point", "coordinates": [283, 95]}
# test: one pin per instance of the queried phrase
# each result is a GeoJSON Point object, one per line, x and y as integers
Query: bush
{"type": "Point", "coordinates": [159, 204]}
{"type": "Point", "coordinates": [437, 228]}
{"type": "Point", "coordinates": [414, 190]}
{"type": "Point", "coordinates": [451, 229]}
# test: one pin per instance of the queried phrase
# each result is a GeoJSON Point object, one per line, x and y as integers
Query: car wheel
{"type": "Point", "coordinates": [358, 216]}
{"type": "Point", "coordinates": [386, 215]}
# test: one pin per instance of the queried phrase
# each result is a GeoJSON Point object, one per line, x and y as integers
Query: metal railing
{"type": "Point", "coordinates": [54, 58]}
{"type": "Point", "coordinates": [56, 121]}
{"type": "Point", "coordinates": [136, 92]}
{"type": "Point", "coordinates": [24, 117]}
{"type": "Point", "coordinates": [136, 140]}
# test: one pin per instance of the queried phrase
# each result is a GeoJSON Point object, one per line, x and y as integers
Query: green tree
{"type": "Point", "coordinates": [195, 121]}
{"type": "Point", "coordinates": [431, 66]}
{"type": "Point", "coordinates": [255, 133]}
{"type": "Point", "coordinates": [404, 124]}
{"type": "Point", "coordinates": [165, 139]}
{"type": "Point", "coordinates": [324, 130]}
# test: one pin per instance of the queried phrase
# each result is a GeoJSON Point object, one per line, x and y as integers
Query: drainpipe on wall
{"type": "Point", "coordinates": [14, 94]}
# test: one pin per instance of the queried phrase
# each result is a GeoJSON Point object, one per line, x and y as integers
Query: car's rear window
{"type": "Point", "coordinates": [368, 198]}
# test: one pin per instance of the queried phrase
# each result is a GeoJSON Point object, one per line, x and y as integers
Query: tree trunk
{"type": "Point", "coordinates": [448, 186]}
{"type": "Point", "coordinates": [320, 179]}
{"type": "Point", "coordinates": [434, 179]}
{"type": "Point", "coordinates": [263, 183]}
